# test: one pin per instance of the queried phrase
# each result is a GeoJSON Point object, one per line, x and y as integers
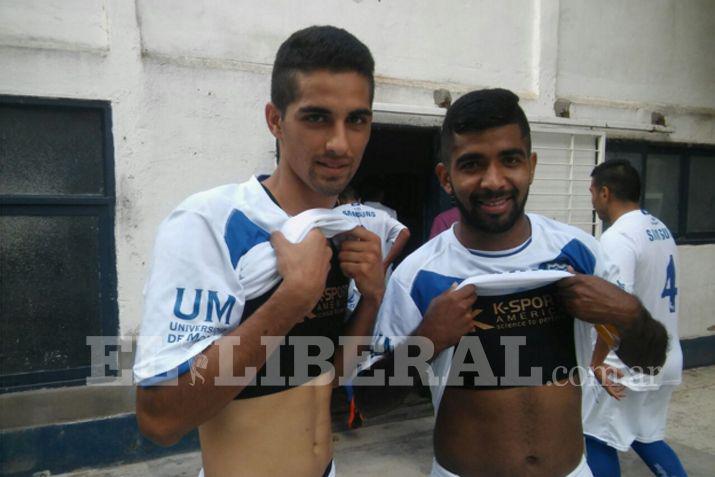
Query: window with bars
{"type": "Point", "coordinates": [565, 159]}
{"type": "Point", "coordinates": [57, 262]}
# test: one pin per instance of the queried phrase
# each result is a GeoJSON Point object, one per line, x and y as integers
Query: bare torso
{"type": "Point", "coordinates": [287, 433]}
{"type": "Point", "coordinates": [523, 431]}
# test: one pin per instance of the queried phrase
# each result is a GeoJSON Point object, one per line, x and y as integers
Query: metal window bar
{"type": "Point", "coordinates": [577, 209]}
{"type": "Point", "coordinates": [556, 194]}
{"type": "Point", "coordinates": [571, 161]}
{"type": "Point", "coordinates": [556, 179]}
{"type": "Point", "coordinates": [576, 149]}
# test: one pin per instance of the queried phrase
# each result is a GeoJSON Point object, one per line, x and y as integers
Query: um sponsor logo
{"type": "Point", "coordinates": [207, 304]}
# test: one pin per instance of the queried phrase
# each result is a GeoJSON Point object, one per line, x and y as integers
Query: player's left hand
{"type": "Point", "coordinates": [361, 259]}
{"type": "Point", "coordinates": [595, 300]}
{"type": "Point", "coordinates": [604, 374]}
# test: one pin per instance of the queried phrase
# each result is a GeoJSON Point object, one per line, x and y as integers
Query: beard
{"type": "Point", "coordinates": [329, 185]}
{"type": "Point", "coordinates": [487, 223]}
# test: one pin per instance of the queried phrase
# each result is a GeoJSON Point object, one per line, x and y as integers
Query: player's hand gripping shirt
{"type": "Point", "coordinates": [554, 341]}
{"type": "Point", "coordinates": [376, 221]}
{"type": "Point", "coordinates": [213, 267]}
{"type": "Point", "coordinates": [381, 224]}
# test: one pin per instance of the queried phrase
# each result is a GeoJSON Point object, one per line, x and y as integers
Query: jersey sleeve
{"type": "Point", "coordinates": [584, 332]}
{"type": "Point", "coordinates": [605, 267]}
{"type": "Point", "coordinates": [192, 297]}
{"type": "Point", "coordinates": [619, 259]}
{"type": "Point", "coordinates": [393, 227]}
{"type": "Point", "coordinates": [397, 319]}
{"type": "Point", "coordinates": [620, 251]}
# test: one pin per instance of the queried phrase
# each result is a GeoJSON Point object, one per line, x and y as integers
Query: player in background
{"type": "Point", "coordinates": [393, 234]}
{"type": "Point", "coordinates": [373, 193]}
{"type": "Point", "coordinates": [393, 238]}
{"type": "Point", "coordinates": [647, 257]}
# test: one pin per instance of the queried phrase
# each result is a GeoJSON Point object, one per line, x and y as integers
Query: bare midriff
{"type": "Point", "coordinates": [524, 431]}
{"type": "Point", "coordinates": [286, 433]}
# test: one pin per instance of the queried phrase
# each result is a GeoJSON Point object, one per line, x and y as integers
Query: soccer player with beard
{"type": "Point", "coordinates": [520, 412]}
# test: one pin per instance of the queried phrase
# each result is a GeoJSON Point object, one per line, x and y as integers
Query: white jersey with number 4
{"type": "Point", "coordinates": [647, 257]}
{"type": "Point", "coordinates": [646, 254]}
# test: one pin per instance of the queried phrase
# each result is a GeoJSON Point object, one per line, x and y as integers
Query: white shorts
{"type": "Point", "coordinates": [581, 470]}
{"type": "Point", "coordinates": [330, 474]}
{"type": "Point", "coordinates": [639, 416]}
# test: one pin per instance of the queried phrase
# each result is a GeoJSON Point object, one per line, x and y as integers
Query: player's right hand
{"type": "Point", "coordinates": [304, 267]}
{"type": "Point", "coordinates": [449, 317]}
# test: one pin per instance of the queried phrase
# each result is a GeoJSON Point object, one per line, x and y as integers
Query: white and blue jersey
{"type": "Point", "coordinates": [213, 268]}
{"type": "Point", "coordinates": [194, 294]}
{"type": "Point", "coordinates": [647, 257]}
{"type": "Point", "coordinates": [552, 338]}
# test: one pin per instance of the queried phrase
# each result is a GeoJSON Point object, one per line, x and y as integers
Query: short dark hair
{"type": "Point", "coordinates": [480, 110]}
{"type": "Point", "coordinates": [317, 48]}
{"type": "Point", "coordinates": [620, 177]}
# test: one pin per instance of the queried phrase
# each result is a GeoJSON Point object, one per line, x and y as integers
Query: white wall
{"type": "Point", "coordinates": [188, 80]}
{"type": "Point", "coordinates": [696, 288]}
{"type": "Point", "coordinates": [641, 56]}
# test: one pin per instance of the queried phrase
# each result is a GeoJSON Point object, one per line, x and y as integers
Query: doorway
{"type": "Point", "coordinates": [400, 161]}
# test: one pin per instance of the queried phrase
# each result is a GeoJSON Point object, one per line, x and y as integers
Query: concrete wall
{"type": "Point", "coordinates": [697, 283]}
{"type": "Point", "coordinates": [188, 80]}
{"type": "Point", "coordinates": [620, 59]}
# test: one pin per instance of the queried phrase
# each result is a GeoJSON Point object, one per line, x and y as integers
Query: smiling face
{"type": "Point", "coordinates": [323, 133]}
{"type": "Point", "coordinates": [489, 175]}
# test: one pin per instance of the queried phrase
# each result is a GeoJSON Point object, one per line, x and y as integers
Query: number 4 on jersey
{"type": "Point", "coordinates": [670, 291]}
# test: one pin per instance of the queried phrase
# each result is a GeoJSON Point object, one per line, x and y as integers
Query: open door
{"type": "Point", "coordinates": [401, 160]}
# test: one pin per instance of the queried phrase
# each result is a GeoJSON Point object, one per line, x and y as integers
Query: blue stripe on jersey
{"type": "Point", "coordinates": [576, 254]}
{"type": "Point", "coordinates": [165, 376]}
{"type": "Point", "coordinates": [428, 285]}
{"type": "Point", "coordinates": [242, 235]}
